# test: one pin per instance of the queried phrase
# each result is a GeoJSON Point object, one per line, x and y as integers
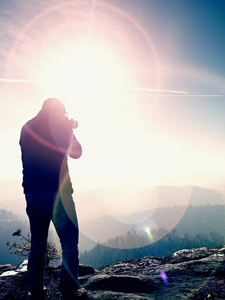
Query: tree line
{"type": "Point", "coordinates": [201, 226]}
{"type": "Point", "coordinates": [102, 255]}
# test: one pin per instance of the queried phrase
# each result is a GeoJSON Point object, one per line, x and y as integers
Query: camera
{"type": "Point", "coordinates": [73, 124]}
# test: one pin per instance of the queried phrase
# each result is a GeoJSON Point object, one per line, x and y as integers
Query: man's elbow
{"type": "Point", "coordinates": [75, 153]}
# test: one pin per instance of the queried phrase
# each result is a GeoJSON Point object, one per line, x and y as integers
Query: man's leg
{"type": "Point", "coordinates": [39, 224]}
{"type": "Point", "coordinates": [65, 222]}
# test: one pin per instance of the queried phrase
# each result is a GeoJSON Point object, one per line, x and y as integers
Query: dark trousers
{"type": "Point", "coordinates": [42, 207]}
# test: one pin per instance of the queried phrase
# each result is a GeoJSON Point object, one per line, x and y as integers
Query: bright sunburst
{"type": "Point", "coordinates": [87, 70]}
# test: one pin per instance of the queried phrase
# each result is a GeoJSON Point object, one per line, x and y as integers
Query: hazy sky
{"type": "Point", "coordinates": [145, 80]}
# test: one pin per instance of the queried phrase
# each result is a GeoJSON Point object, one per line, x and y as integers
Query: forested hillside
{"type": "Point", "coordinates": [10, 221]}
{"type": "Point", "coordinates": [203, 219]}
{"type": "Point", "coordinates": [191, 219]}
{"type": "Point", "coordinates": [201, 226]}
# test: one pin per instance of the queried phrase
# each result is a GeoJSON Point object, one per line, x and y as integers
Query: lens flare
{"type": "Point", "coordinates": [148, 231]}
{"type": "Point", "coordinates": [64, 208]}
{"type": "Point", "coordinates": [164, 277]}
{"type": "Point", "coordinates": [93, 18]}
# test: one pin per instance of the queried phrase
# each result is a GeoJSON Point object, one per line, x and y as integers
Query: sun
{"type": "Point", "coordinates": [85, 69]}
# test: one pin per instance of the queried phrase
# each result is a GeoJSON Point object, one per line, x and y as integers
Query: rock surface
{"type": "Point", "coordinates": [186, 274]}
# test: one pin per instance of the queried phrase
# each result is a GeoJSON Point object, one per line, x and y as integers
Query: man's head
{"type": "Point", "coordinates": [53, 104]}
{"type": "Point", "coordinates": [54, 107]}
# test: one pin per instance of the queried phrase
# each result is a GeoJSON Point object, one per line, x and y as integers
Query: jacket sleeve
{"type": "Point", "coordinates": [67, 142]}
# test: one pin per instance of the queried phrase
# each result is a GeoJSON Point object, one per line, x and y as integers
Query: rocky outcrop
{"type": "Point", "coordinates": [186, 274]}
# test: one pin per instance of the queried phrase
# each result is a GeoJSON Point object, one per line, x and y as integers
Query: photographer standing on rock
{"type": "Point", "coordinates": [45, 142]}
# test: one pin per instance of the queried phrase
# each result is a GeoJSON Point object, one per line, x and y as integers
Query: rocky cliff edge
{"type": "Point", "coordinates": [186, 274]}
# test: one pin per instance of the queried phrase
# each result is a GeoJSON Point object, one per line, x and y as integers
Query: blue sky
{"type": "Point", "coordinates": [198, 27]}
{"type": "Point", "coordinates": [151, 109]}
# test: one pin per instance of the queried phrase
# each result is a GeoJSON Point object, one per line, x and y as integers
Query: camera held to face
{"type": "Point", "coordinates": [73, 124]}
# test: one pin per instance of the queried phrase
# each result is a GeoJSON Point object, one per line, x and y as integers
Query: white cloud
{"type": "Point", "coordinates": [143, 89]}
{"type": "Point", "coordinates": [174, 92]}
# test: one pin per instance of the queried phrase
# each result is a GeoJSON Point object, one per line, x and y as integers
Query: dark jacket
{"type": "Point", "coordinates": [44, 143]}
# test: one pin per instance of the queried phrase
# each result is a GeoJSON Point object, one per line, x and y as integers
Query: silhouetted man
{"type": "Point", "coordinates": [45, 142]}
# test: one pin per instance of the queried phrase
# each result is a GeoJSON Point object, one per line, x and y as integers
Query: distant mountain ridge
{"type": "Point", "coordinates": [88, 202]}
{"type": "Point", "coordinates": [170, 207]}
{"type": "Point", "coordinates": [200, 226]}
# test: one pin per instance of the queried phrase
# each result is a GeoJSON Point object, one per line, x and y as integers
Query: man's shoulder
{"type": "Point", "coordinates": [34, 123]}
{"type": "Point", "coordinates": [30, 122]}
{"type": "Point", "coordinates": [28, 128]}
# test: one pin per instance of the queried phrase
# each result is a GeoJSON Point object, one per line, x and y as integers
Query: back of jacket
{"type": "Point", "coordinates": [44, 143]}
